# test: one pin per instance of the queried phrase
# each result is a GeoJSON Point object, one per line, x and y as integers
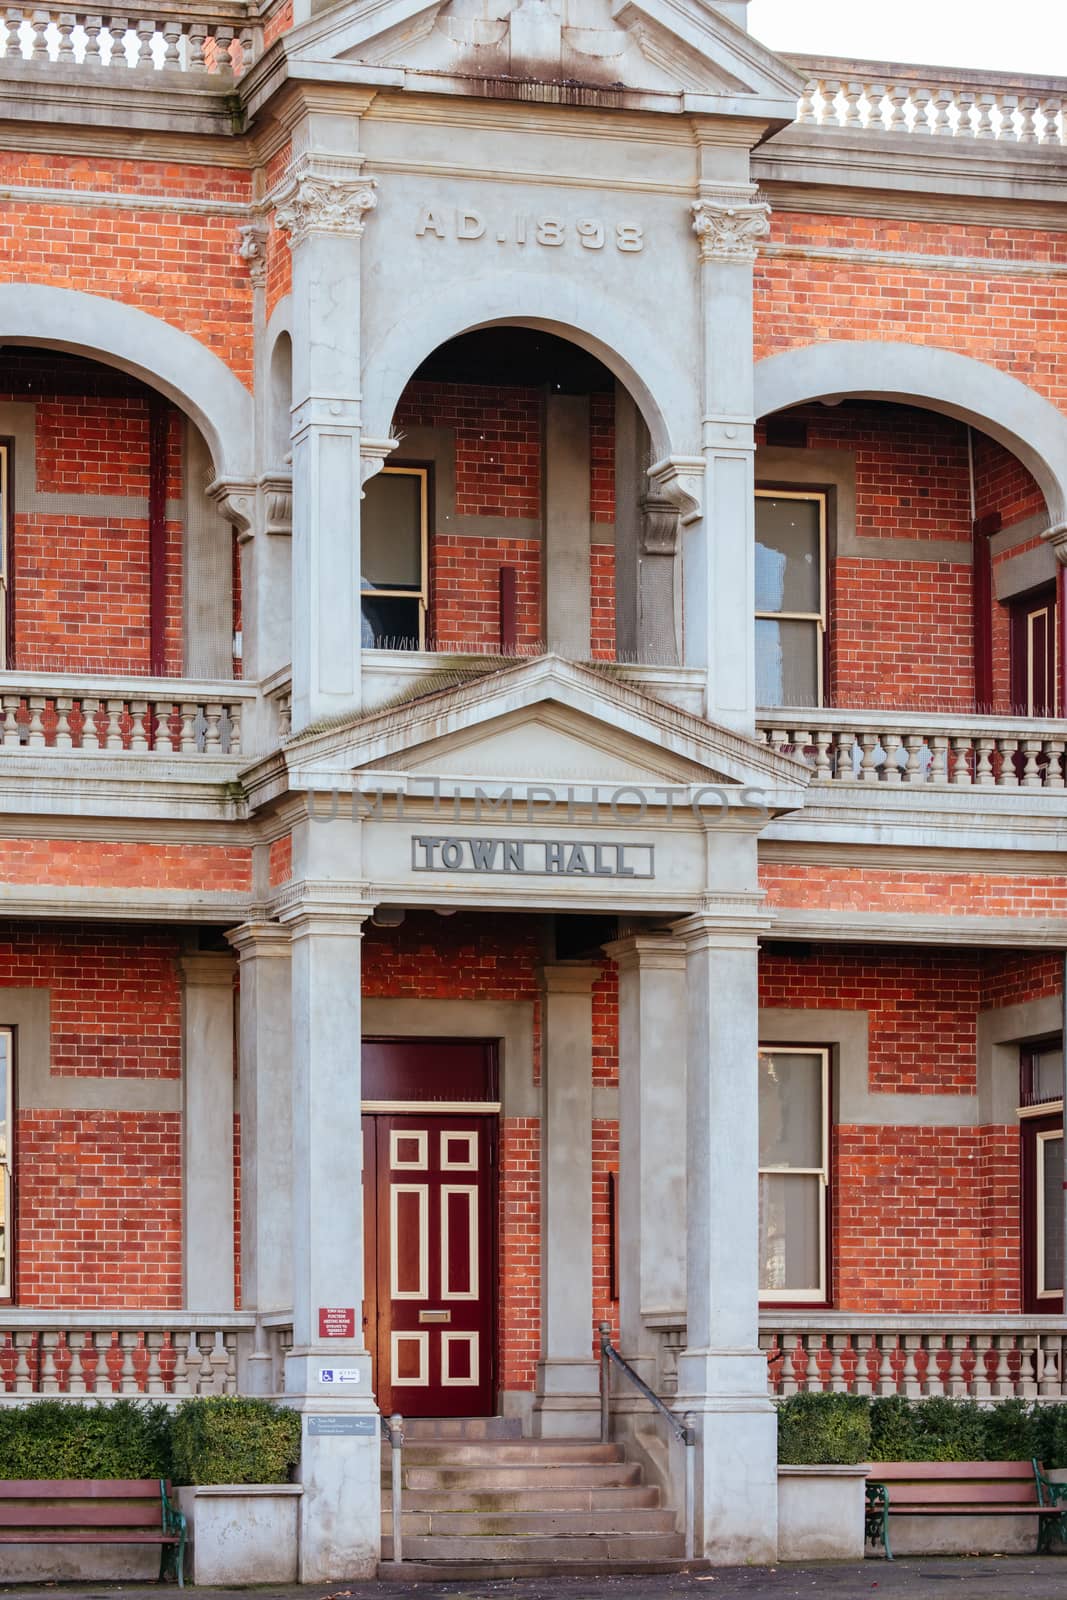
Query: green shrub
{"type": "Point", "coordinates": [69, 1439]}
{"type": "Point", "coordinates": [824, 1430]}
{"type": "Point", "coordinates": [231, 1440]}
{"type": "Point", "coordinates": [926, 1430]}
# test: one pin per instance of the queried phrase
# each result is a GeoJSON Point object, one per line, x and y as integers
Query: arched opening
{"type": "Point", "coordinates": [512, 517]}
{"type": "Point", "coordinates": [281, 399]}
{"type": "Point", "coordinates": [900, 564]}
{"type": "Point", "coordinates": [115, 560]}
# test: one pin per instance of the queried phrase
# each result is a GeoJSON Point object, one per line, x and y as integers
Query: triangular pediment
{"type": "Point", "coordinates": [654, 46]}
{"type": "Point", "coordinates": [545, 721]}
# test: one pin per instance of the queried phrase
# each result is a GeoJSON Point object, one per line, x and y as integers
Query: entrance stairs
{"type": "Point", "coordinates": [479, 1500]}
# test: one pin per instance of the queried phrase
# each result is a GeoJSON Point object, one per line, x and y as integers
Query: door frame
{"type": "Point", "coordinates": [1035, 1128]}
{"type": "Point", "coordinates": [1020, 608]}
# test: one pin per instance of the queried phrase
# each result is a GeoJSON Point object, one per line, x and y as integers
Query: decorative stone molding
{"type": "Point", "coordinates": [373, 454]}
{"type": "Point", "coordinates": [278, 502]}
{"type": "Point", "coordinates": [659, 527]}
{"type": "Point", "coordinates": [1057, 538]}
{"type": "Point", "coordinates": [236, 500]}
{"type": "Point", "coordinates": [252, 248]}
{"type": "Point", "coordinates": [678, 481]}
{"type": "Point", "coordinates": [320, 196]}
{"type": "Point", "coordinates": [729, 223]}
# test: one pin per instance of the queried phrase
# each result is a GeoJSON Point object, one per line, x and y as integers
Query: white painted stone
{"type": "Point", "coordinates": [207, 1132]}
{"type": "Point", "coordinates": [242, 1533]}
{"type": "Point", "coordinates": [820, 1513]}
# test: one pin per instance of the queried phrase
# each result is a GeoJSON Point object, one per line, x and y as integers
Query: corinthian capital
{"type": "Point", "coordinates": [729, 224]}
{"type": "Point", "coordinates": [320, 196]}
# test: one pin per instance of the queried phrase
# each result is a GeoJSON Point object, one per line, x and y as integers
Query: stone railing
{"type": "Point", "coordinates": [140, 716]}
{"type": "Point", "coordinates": [982, 1357]}
{"type": "Point", "coordinates": [278, 691]}
{"type": "Point", "coordinates": [850, 747]}
{"type": "Point", "coordinates": [887, 97]}
{"type": "Point", "coordinates": [105, 1355]}
{"type": "Point", "coordinates": [169, 39]}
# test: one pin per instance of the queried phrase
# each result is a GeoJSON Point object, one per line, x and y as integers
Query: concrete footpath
{"type": "Point", "coordinates": [980, 1578]}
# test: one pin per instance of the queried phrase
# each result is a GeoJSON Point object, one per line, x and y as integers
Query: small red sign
{"type": "Point", "coordinates": [337, 1322]}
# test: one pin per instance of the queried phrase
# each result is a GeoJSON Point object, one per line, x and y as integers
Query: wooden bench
{"type": "Point", "coordinates": [964, 1489]}
{"type": "Point", "coordinates": [94, 1511]}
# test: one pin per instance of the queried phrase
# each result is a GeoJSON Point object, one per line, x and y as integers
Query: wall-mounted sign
{"type": "Point", "coordinates": [338, 1374]}
{"type": "Point", "coordinates": [552, 233]}
{"type": "Point", "coordinates": [362, 1427]}
{"type": "Point", "coordinates": [337, 1322]}
{"type": "Point", "coordinates": [532, 858]}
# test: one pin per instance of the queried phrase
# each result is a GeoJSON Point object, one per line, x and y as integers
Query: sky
{"type": "Point", "coordinates": [1025, 36]}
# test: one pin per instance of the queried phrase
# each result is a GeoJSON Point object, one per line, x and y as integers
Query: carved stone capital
{"type": "Point", "coordinates": [277, 490]}
{"type": "Point", "coordinates": [678, 481]}
{"type": "Point", "coordinates": [1057, 538]}
{"type": "Point", "coordinates": [729, 223]}
{"type": "Point", "coordinates": [324, 196]}
{"type": "Point", "coordinates": [252, 248]}
{"type": "Point", "coordinates": [236, 500]}
{"type": "Point", "coordinates": [659, 527]}
{"type": "Point", "coordinates": [373, 454]}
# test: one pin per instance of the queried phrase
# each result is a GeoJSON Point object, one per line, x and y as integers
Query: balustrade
{"type": "Point", "coordinates": [101, 1356]}
{"type": "Point", "coordinates": [142, 718]}
{"type": "Point", "coordinates": [882, 98]}
{"type": "Point", "coordinates": [958, 752]}
{"type": "Point", "coordinates": [170, 39]}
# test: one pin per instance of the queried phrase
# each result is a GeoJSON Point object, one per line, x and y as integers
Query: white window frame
{"type": "Point", "coordinates": [7, 1175]}
{"type": "Point", "coordinates": [818, 617]}
{"type": "Point", "coordinates": [422, 594]}
{"type": "Point", "coordinates": [819, 1295]}
{"type": "Point", "coordinates": [1041, 1139]}
{"type": "Point", "coordinates": [5, 555]}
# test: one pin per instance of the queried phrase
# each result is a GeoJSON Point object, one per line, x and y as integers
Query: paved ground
{"type": "Point", "coordinates": [982, 1578]}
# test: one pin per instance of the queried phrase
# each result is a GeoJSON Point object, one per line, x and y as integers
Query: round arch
{"type": "Point", "coordinates": [630, 347]}
{"type": "Point", "coordinates": [1027, 424]}
{"type": "Point", "coordinates": [158, 354]}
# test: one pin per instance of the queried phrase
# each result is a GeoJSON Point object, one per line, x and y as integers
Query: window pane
{"type": "Point", "coordinates": [790, 1110]}
{"type": "Point", "coordinates": [391, 531]}
{"type": "Point", "coordinates": [787, 663]}
{"type": "Point", "coordinates": [5, 1100]}
{"type": "Point", "coordinates": [390, 623]}
{"type": "Point", "coordinates": [789, 1232]}
{"type": "Point", "coordinates": [1052, 1215]}
{"type": "Point", "coordinates": [788, 555]}
{"type": "Point", "coordinates": [1047, 1075]}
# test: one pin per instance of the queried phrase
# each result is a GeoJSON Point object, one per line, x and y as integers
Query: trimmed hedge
{"type": "Point", "coordinates": [71, 1439]}
{"type": "Point", "coordinates": [836, 1429]}
{"type": "Point", "coordinates": [227, 1439]}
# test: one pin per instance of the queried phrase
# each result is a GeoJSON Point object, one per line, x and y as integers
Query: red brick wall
{"type": "Point", "coordinates": [126, 864]}
{"type": "Point", "coordinates": [605, 1162]}
{"type": "Point", "coordinates": [465, 592]}
{"type": "Point", "coordinates": [933, 893]}
{"type": "Point", "coordinates": [520, 1251]}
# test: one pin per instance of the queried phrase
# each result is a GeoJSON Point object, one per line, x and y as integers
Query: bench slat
{"type": "Point", "coordinates": [81, 1489]}
{"type": "Point", "coordinates": [90, 1536]}
{"type": "Point", "coordinates": [84, 1513]}
{"type": "Point", "coordinates": [899, 1471]}
{"type": "Point", "coordinates": [906, 1510]}
{"type": "Point", "coordinates": [950, 1493]}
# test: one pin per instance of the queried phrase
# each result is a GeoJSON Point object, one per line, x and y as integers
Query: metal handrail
{"type": "Point", "coordinates": [393, 1428]}
{"type": "Point", "coordinates": [684, 1428]}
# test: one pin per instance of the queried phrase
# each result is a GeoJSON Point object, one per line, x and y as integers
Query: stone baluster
{"type": "Point", "coordinates": [145, 30]}
{"type": "Point", "coordinates": [813, 1373]}
{"type": "Point", "coordinates": [189, 713]}
{"type": "Point", "coordinates": [90, 734]}
{"type": "Point", "coordinates": [768, 1344]}
{"type": "Point", "coordinates": [1050, 1381]}
{"type": "Point", "coordinates": [938, 773]}
{"type": "Point", "coordinates": [245, 50]}
{"type": "Point", "coordinates": [11, 704]}
{"type": "Point", "coordinates": [870, 746]}
{"type": "Point", "coordinates": [172, 55]}
{"type": "Point", "coordinates": [899, 95]}
{"type": "Point", "coordinates": [964, 102]}
{"type": "Point", "coordinates": [985, 128]}
{"type": "Point", "coordinates": [93, 27]}
{"type": "Point", "coordinates": [128, 1381]}
{"type": "Point", "coordinates": [875, 114]}
{"type": "Point", "coordinates": [115, 709]}
{"type": "Point", "coordinates": [1003, 1383]}
{"type": "Point", "coordinates": [66, 22]}
{"type": "Point", "coordinates": [197, 37]}
{"type": "Point", "coordinates": [139, 730]}
{"type": "Point", "coordinates": [983, 772]}
{"type": "Point", "coordinates": [153, 1373]}
{"type": "Point", "coordinates": [213, 734]}
{"type": "Point", "coordinates": [64, 706]}
{"type": "Point", "coordinates": [852, 94]}
{"type": "Point", "coordinates": [922, 99]}
{"type": "Point", "coordinates": [912, 1381]}
{"type": "Point", "coordinates": [844, 770]}
{"type": "Point", "coordinates": [980, 1376]}
{"type": "Point", "coordinates": [823, 743]}
{"type": "Point", "coordinates": [862, 1344]}
{"type": "Point", "coordinates": [187, 1366]}
{"type": "Point", "coordinates": [1029, 1366]}
{"type": "Point", "coordinates": [164, 742]}
{"type": "Point", "coordinates": [778, 739]}
{"type": "Point", "coordinates": [48, 1376]}
{"type": "Point", "coordinates": [117, 27]}
{"type": "Point", "coordinates": [1050, 112]}
{"type": "Point", "coordinates": [1028, 105]}
{"type": "Point", "coordinates": [961, 761]}
{"type": "Point", "coordinates": [223, 41]}
{"type": "Point", "coordinates": [76, 1384]}
{"type": "Point", "coordinates": [1032, 775]}
{"type": "Point", "coordinates": [839, 1344]}
{"type": "Point", "coordinates": [39, 21]}
{"type": "Point", "coordinates": [12, 39]}
{"type": "Point", "coordinates": [1007, 104]}
{"type": "Point", "coordinates": [233, 716]}
{"type": "Point", "coordinates": [913, 770]}
{"type": "Point", "coordinates": [826, 104]}
{"type": "Point", "coordinates": [1054, 763]}
{"type": "Point", "coordinates": [1007, 777]}
{"type": "Point", "coordinates": [789, 1383]}
{"type": "Point", "coordinates": [942, 101]}
{"type": "Point", "coordinates": [885, 1375]}
{"type": "Point", "coordinates": [37, 703]}
{"type": "Point", "coordinates": [891, 769]}
{"type": "Point", "coordinates": [25, 1347]}
{"type": "Point", "coordinates": [285, 715]}
{"type": "Point", "coordinates": [800, 739]}
{"type": "Point", "coordinates": [957, 1385]}
{"type": "Point", "coordinates": [806, 103]}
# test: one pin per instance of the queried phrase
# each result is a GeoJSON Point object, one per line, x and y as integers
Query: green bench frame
{"type": "Point", "coordinates": [95, 1511]}
{"type": "Point", "coordinates": [1049, 1502]}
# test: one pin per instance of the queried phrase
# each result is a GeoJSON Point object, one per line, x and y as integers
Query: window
{"type": "Point", "coordinates": [394, 539]}
{"type": "Point", "coordinates": [5, 562]}
{"type": "Point", "coordinates": [7, 1063]}
{"type": "Point", "coordinates": [790, 597]}
{"type": "Point", "coordinates": [1041, 1118]}
{"type": "Point", "coordinates": [794, 1173]}
{"type": "Point", "coordinates": [1040, 1073]}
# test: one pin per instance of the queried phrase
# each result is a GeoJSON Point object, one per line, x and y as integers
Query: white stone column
{"type": "Point", "coordinates": [340, 1508]}
{"type": "Point", "coordinates": [265, 1101]}
{"type": "Point", "coordinates": [722, 1374]}
{"type": "Point", "coordinates": [567, 1374]}
{"type": "Point", "coordinates": [652, 1124]}
{"type": "Point", "coordinates": [718, 571]}
{"type": "Point", "coordinates": [322, 204]}
{"type": "Point", "coordinates": [207, 1132]}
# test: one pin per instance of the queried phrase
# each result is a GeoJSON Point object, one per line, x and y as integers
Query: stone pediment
{"type": "Point", "coordinates": [546, 721]}
{"type": "Point", "coordinates": [655, 46]}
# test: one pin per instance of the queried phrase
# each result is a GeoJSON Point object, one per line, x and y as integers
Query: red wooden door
{"type": "Point", "coordinates": [1033, 654]}
{"type": "Point", "coordinates": [430, 1286]}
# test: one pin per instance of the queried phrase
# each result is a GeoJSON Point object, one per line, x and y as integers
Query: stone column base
{"type": "Point", "coordinates": [567, 1401]}
{"type": "Point", "coordinates": [736, 1478]}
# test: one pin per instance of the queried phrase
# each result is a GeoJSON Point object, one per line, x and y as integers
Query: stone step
{"type": "Point", "coordinates": [438, 1429]}
{"type": "Point", "coordinates": [542, 1549]}
{"type": "Point", "coordinates": [459, 1571]}
{"type": "Point", "coordinates": [549, 1498]}
{"type": "Point", "coordinates": [503, 1452]}
{"type": "Point", "coordinates": [472, 1479]}
{"type": "Point", "coordinates": [625, 1520]}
